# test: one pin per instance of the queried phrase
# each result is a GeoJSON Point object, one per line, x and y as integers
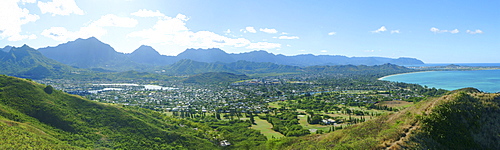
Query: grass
{"type": "Point", "coordinates": [275, 104]}
{"type": "Point", "coordinates": [396, 104]}
{"type": "Point", "coordinates": [265, 128]}
{"type": "Point", "coordinates": [303, 123]}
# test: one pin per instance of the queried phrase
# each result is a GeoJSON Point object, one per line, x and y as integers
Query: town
{"type": "Point", "coordinates": [243, 96]}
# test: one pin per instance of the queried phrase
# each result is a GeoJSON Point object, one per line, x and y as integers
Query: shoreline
{"type": "Point", "coordinates": [487, 88]}
{"type": "Point", "coordinates": [382, 78]}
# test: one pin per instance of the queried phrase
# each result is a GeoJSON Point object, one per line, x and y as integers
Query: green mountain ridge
{"type": "Point", "coordinates": [36, 116]}
{"type": "Point", "coordinates": [93, 53]}
{"type": "Point", "coordinates": [190, 67]}
{"type": "Point", "coordinates": [27, 62]}
{"type": "Point", "coordinates": [215, 77]}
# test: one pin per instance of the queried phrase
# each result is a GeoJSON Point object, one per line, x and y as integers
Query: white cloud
{"type": "Point", "coordinates": [182, 17]}
{"type": "Point", "coordinates": [250, 29]}
{"type": "Point", "coordinates": [148, 13]}
{"type": "Point", "coordinates": [95, 29]}
{"type": "Point", "coordinates": [288, 37]}
{"type": "Point", "coordinates": [475, 32]}
{"type": "Point", "coordinates": [62, 34]}
{"type": "Point", "coordinates": [28, 1]}
{"type": "Point", "coordinates": [173, 31]}
{"type": "Point", "coordinates": [381, 29]}
{"type": "Point", "coordinates": [272, 31]}
{"type": "Point", "coordinates": [111, 20]}
{"type": "Point", "coordinates": [454, 31]}
{"type": "Point", "coordinates": [284, 33]}
{"type": "Point", "coordinates": [12, 18]}
{"type": "Point", "coordinates": [332, 33]}
{"type": "Point", "coordinates": [324, 51]}
{"type": "Point", "coordinates": [436, 30]}
{"type": "Point", "coordinates": [263, 45]}
{"type": "Point", "coordinates": [60, 7]}
{"type": "Point", "coordinates": [395, 31]}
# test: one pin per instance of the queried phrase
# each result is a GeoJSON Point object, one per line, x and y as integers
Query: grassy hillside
{"type": "Point", "coordinates": [36, 116]}
{"type": "Point", "coordinates": [464, 119]}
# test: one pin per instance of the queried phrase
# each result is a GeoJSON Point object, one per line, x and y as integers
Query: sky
{"type": "Point", "coordinates": [434, 31]}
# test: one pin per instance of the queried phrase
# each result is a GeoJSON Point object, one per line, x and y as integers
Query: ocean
{"type": "Point", "coordinates": [460, 64]}
{"type": "Point", "coordinates": [484, 80]}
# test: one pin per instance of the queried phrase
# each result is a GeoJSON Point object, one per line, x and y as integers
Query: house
{"type": "Point", "coordinates": [328, 121]}
{"type": "Point", "coordinates": [224, 143]}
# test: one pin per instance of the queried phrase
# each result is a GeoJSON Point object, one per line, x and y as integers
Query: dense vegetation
{"type": "Point", "coordinates": [46, 118]}
{"type": "Point", "coordinates": [471, 115]}
{"type": "Point", "coordinates": [211, 115]}
{"type": "Point", "coordinates": [287, 124]}
{"type": "Point", "coordinates": [27, 62]}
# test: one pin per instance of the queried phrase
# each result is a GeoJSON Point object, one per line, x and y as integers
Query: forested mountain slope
{"type": "Point", "coordinates": [27, 62]}
{"type": "Point", "coordinates": [93, 53]}
{"type": "Point", "coordinates": [37, 116]}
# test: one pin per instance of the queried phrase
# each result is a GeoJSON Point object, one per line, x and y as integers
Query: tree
{"type": "Point", "coordinates": [252, 120]}
{"type": "Point", "coordinates": [49, 89]}
{"type": "Point", "coordinates": [316, 119]}
{"type": "Point", "coordinates": [319, 131]}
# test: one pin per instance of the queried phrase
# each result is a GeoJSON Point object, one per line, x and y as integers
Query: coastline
{"type": "Point", "coordinates": [382, 78]}
{"type": "Point", "coordinates": [486, 80]}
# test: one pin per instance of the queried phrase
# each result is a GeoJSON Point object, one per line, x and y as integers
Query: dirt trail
{"type": "Point", "coordinates": [396, 144]}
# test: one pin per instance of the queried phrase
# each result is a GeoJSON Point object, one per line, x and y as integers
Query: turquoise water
{"type": "Point", "coordinates": [484, 80]}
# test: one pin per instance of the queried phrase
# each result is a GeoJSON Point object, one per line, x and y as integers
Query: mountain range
{"type": "Point", "coordinates": [27, 62]}
{"type": "Point", "coordinates": [92, 53]}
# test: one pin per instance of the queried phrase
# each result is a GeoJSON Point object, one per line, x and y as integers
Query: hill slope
{"type": "Point", "coordinates": [147, 55]}
{"type": "Point", "coordinates": [27, 62]}
{"type": "Point", "coordinates": [215, 77]}
{"type": "Point", "coordinates": [464, 119]}
{"type": "Point", "coordinates": [32, 114]}
{"type": "Point", "coordinates": [84, 53]}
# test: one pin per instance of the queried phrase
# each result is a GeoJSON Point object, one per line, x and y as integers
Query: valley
{"type": "Point", "coordinates": [232, 104]}
{"type": "Point", "coordinates": [249, 75]}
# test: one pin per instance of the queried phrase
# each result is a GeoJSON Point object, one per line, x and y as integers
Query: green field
{"type": "Point", "coordinates": [275, 104]}
{"type": "Point", "coordinates": [303, 123]}
{"type": "Point", "coordinates": [265, 128]}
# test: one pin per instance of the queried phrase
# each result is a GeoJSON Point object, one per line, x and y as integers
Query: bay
{"type": "Point", "coordinates": [484, 80]}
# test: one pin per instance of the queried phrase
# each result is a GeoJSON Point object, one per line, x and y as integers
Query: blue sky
{"type": "Point", "coordinates": [437, 31]}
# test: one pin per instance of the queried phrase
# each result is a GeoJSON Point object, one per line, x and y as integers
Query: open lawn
{"type": "Point", "coordinates": [275, 104]}
{"type": "Point", "coordinates": [303, 123]}
{"type": "Point", "coordinates": [265, 128]}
